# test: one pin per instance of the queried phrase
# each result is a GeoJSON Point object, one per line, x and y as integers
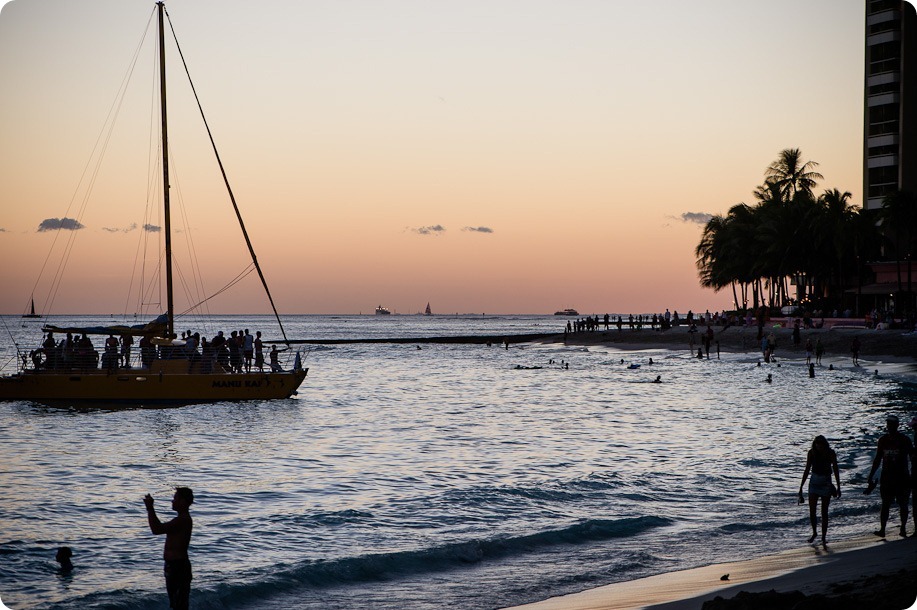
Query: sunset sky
{"type": "Point", "coordinates": [482, 155]}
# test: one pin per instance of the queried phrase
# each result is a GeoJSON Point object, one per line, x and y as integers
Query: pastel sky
{"type": "Point", "coordinates": [498, 156]}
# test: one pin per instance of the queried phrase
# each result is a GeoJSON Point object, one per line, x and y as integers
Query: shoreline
{"type": "Point", "coordinates": [863, 571]}
{"type": "Point", "coordinates": [836, 341]}
{"type": "Point", "coordinates": [864, 566]}
{"type": "Point", "coordinates": [887, 351]}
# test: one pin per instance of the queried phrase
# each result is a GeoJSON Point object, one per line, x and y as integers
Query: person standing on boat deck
{"type": "Point", "coordinates": [820, 461]}
{"type": "Point", "coordinates": [191, 344]}
{"type": "Point", "coordinates": [127, 341]}
{"type": "Point", "coordinates": [248, 350]}
{"type": "Point", "coordinates": [240, 349]}
{"type": "Point", "coordinates": [50, 348]}
{"type": "Point", "coordinates": [893, 453]}
{"type": "Point", "coordinates": [259, 352]}
{"type": "Point", "coordinates": [235, 363]}
{"type": "Point", "coordinates": [177, 567]}
{"type": "Point", "coordinates": [110, 361]}
{"type": "Point", "coordinates": [275, 360]}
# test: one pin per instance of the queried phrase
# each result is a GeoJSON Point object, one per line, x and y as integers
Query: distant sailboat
{"type": "Point", "coordinates": [428, 311]}
{"type": "Point", "coordinates": [31, 313]}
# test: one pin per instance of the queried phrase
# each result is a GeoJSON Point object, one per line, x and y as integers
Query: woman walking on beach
{"type": "Point", "coordinates": [820, 461]}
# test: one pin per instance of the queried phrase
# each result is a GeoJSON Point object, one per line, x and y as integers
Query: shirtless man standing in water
{"type": "Point", "coordinates": [175, 553]}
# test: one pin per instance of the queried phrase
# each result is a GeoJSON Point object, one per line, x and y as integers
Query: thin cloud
{"type": "Point", "coordinates": [151, 228]}
{"type": "Point", "coordinates": [132, 227]}
{"type": "Point", "coordinates": [478, 229]}
{"type": "Point", "coordinates": [430, 230]}
{"type": "Point", "coordinates": [700, 218]}
{"type": "Point", "coordinates": [54, 224]}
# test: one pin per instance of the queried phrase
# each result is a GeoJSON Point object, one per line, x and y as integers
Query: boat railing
{"type": "Point", "coordinates": [207, 361]}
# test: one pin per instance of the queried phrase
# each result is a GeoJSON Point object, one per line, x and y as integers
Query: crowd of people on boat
{"type": "Point", "coordinates": [238, 353]}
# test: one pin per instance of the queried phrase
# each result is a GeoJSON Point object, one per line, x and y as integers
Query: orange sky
{"type": "Point", "coordinates": [500, 157]}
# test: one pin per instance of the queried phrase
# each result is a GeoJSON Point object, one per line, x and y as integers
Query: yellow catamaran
{"type": "Point", "coordinates": [171, 371]}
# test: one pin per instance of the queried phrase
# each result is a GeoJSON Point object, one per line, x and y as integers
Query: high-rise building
{"type": "Point", "coordinates": [890, 108]}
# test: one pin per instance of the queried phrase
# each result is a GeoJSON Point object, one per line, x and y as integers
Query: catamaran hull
{"type": "Point", "coordinates": [145, 387]}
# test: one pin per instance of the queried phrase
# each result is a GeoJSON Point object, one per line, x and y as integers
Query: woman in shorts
{"type": "Point", "coordinates": [820, 461]}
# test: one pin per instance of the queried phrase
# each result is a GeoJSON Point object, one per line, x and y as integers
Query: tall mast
{"type": "Point", "coordinates": [170, 312]}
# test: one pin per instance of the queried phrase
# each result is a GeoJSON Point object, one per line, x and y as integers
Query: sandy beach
{"type": "Point", "coordinates": [881, 346]}
{"type": "Point", "coordinates": [857, 573]}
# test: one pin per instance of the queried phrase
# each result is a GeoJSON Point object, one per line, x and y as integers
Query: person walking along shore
{"type": "Point", "coordinates": [820, 462]}
{"type": "Point", "coordinates": [893, 453]}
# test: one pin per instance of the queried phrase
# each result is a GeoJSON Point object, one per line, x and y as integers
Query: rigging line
{"type": "Point", "coordinates": [242, 275]}
{"type": "Point", "coordinates": [196, 276]}
{"type": "Point", "coordinates": [143, 239]}
{"type": "Point", "coordinates": [232, 197]}
{"type": "Point", "coordinates": [15, 344]}
{"type": "Point", "coordinates": [110, 120]}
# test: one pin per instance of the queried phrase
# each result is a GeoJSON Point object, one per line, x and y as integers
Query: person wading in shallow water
{"type": "Point", "coordinates": [175, 553]}
{"type": "Point", "coordinates": [892, 453]}
{"type": "Point", "coordinates": [820, 461]}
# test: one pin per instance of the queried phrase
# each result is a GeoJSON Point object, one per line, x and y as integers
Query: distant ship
{"type": "Point", "coordinates": [566, 312]}
{"type": "Point", "coordinates": [428, 311]}
{"type": "Point", "coordinates": [383, 311]}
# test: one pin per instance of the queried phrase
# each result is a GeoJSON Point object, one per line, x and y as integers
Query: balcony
{"type": "Point", "coordinates": [882, 99]}
{"type": "Point", "coordinates": [883, 37]}
{"type": "Point", "coordinates": [886, 140]}
{"type": "Point", "coordinates": [887, 15]}
{"type": "Point", "coordinates": [882, 161]}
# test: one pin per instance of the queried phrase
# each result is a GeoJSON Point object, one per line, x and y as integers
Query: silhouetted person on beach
{"type": "Point", "coordinates": [175, 553]}
{"type": "Point", "coordinates": [893, 453]}
{"type": "Point", "coordinates": [855, 350]}
{"type": "Point", "coordinates": [820, 462]}
{"type": "Point", "coordinates": [914, 475]}
{"type": "Point", "coordinates": [62, 557]}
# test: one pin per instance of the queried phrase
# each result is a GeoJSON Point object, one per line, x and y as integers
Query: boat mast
{"type": "Point", "coordinates": [170, 311]}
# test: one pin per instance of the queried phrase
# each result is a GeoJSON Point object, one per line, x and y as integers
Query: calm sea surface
{"type": "Point", "coordinates": [431, 476]}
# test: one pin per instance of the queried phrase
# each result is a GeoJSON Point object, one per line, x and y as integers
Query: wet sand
{"type": "Point", "coordinates": [860, 573]}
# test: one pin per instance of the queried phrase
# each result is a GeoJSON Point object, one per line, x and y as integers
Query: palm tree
{"type": "Point", "coordinates": [836, 231]}
{"type": "Point", "coordinates": [791, 175]}
{"type": "Point", "coordinates": [788, 234]}
{"type": "Point", "coordinates": [899, 222]}
{"type": "Point", "coordinates": [724, 257]}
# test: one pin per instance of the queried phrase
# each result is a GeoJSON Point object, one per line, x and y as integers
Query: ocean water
{"type": "Point", "coordinates": [430, 476]}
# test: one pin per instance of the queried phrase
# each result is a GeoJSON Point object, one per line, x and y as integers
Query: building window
{"type": "Point", "coordinates": [884, 88]}
{"type": "Point", "coordinates": [877, 6]}
{"type": "Point", "coordinates": [882, 150]}
{"type": "Point", "coordinates": [883, 113]}
{"type": "Point", "coordinates": [884, 51]}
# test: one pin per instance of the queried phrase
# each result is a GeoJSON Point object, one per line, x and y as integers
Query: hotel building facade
{"type": "Point", "coordinates": [890, 105]}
